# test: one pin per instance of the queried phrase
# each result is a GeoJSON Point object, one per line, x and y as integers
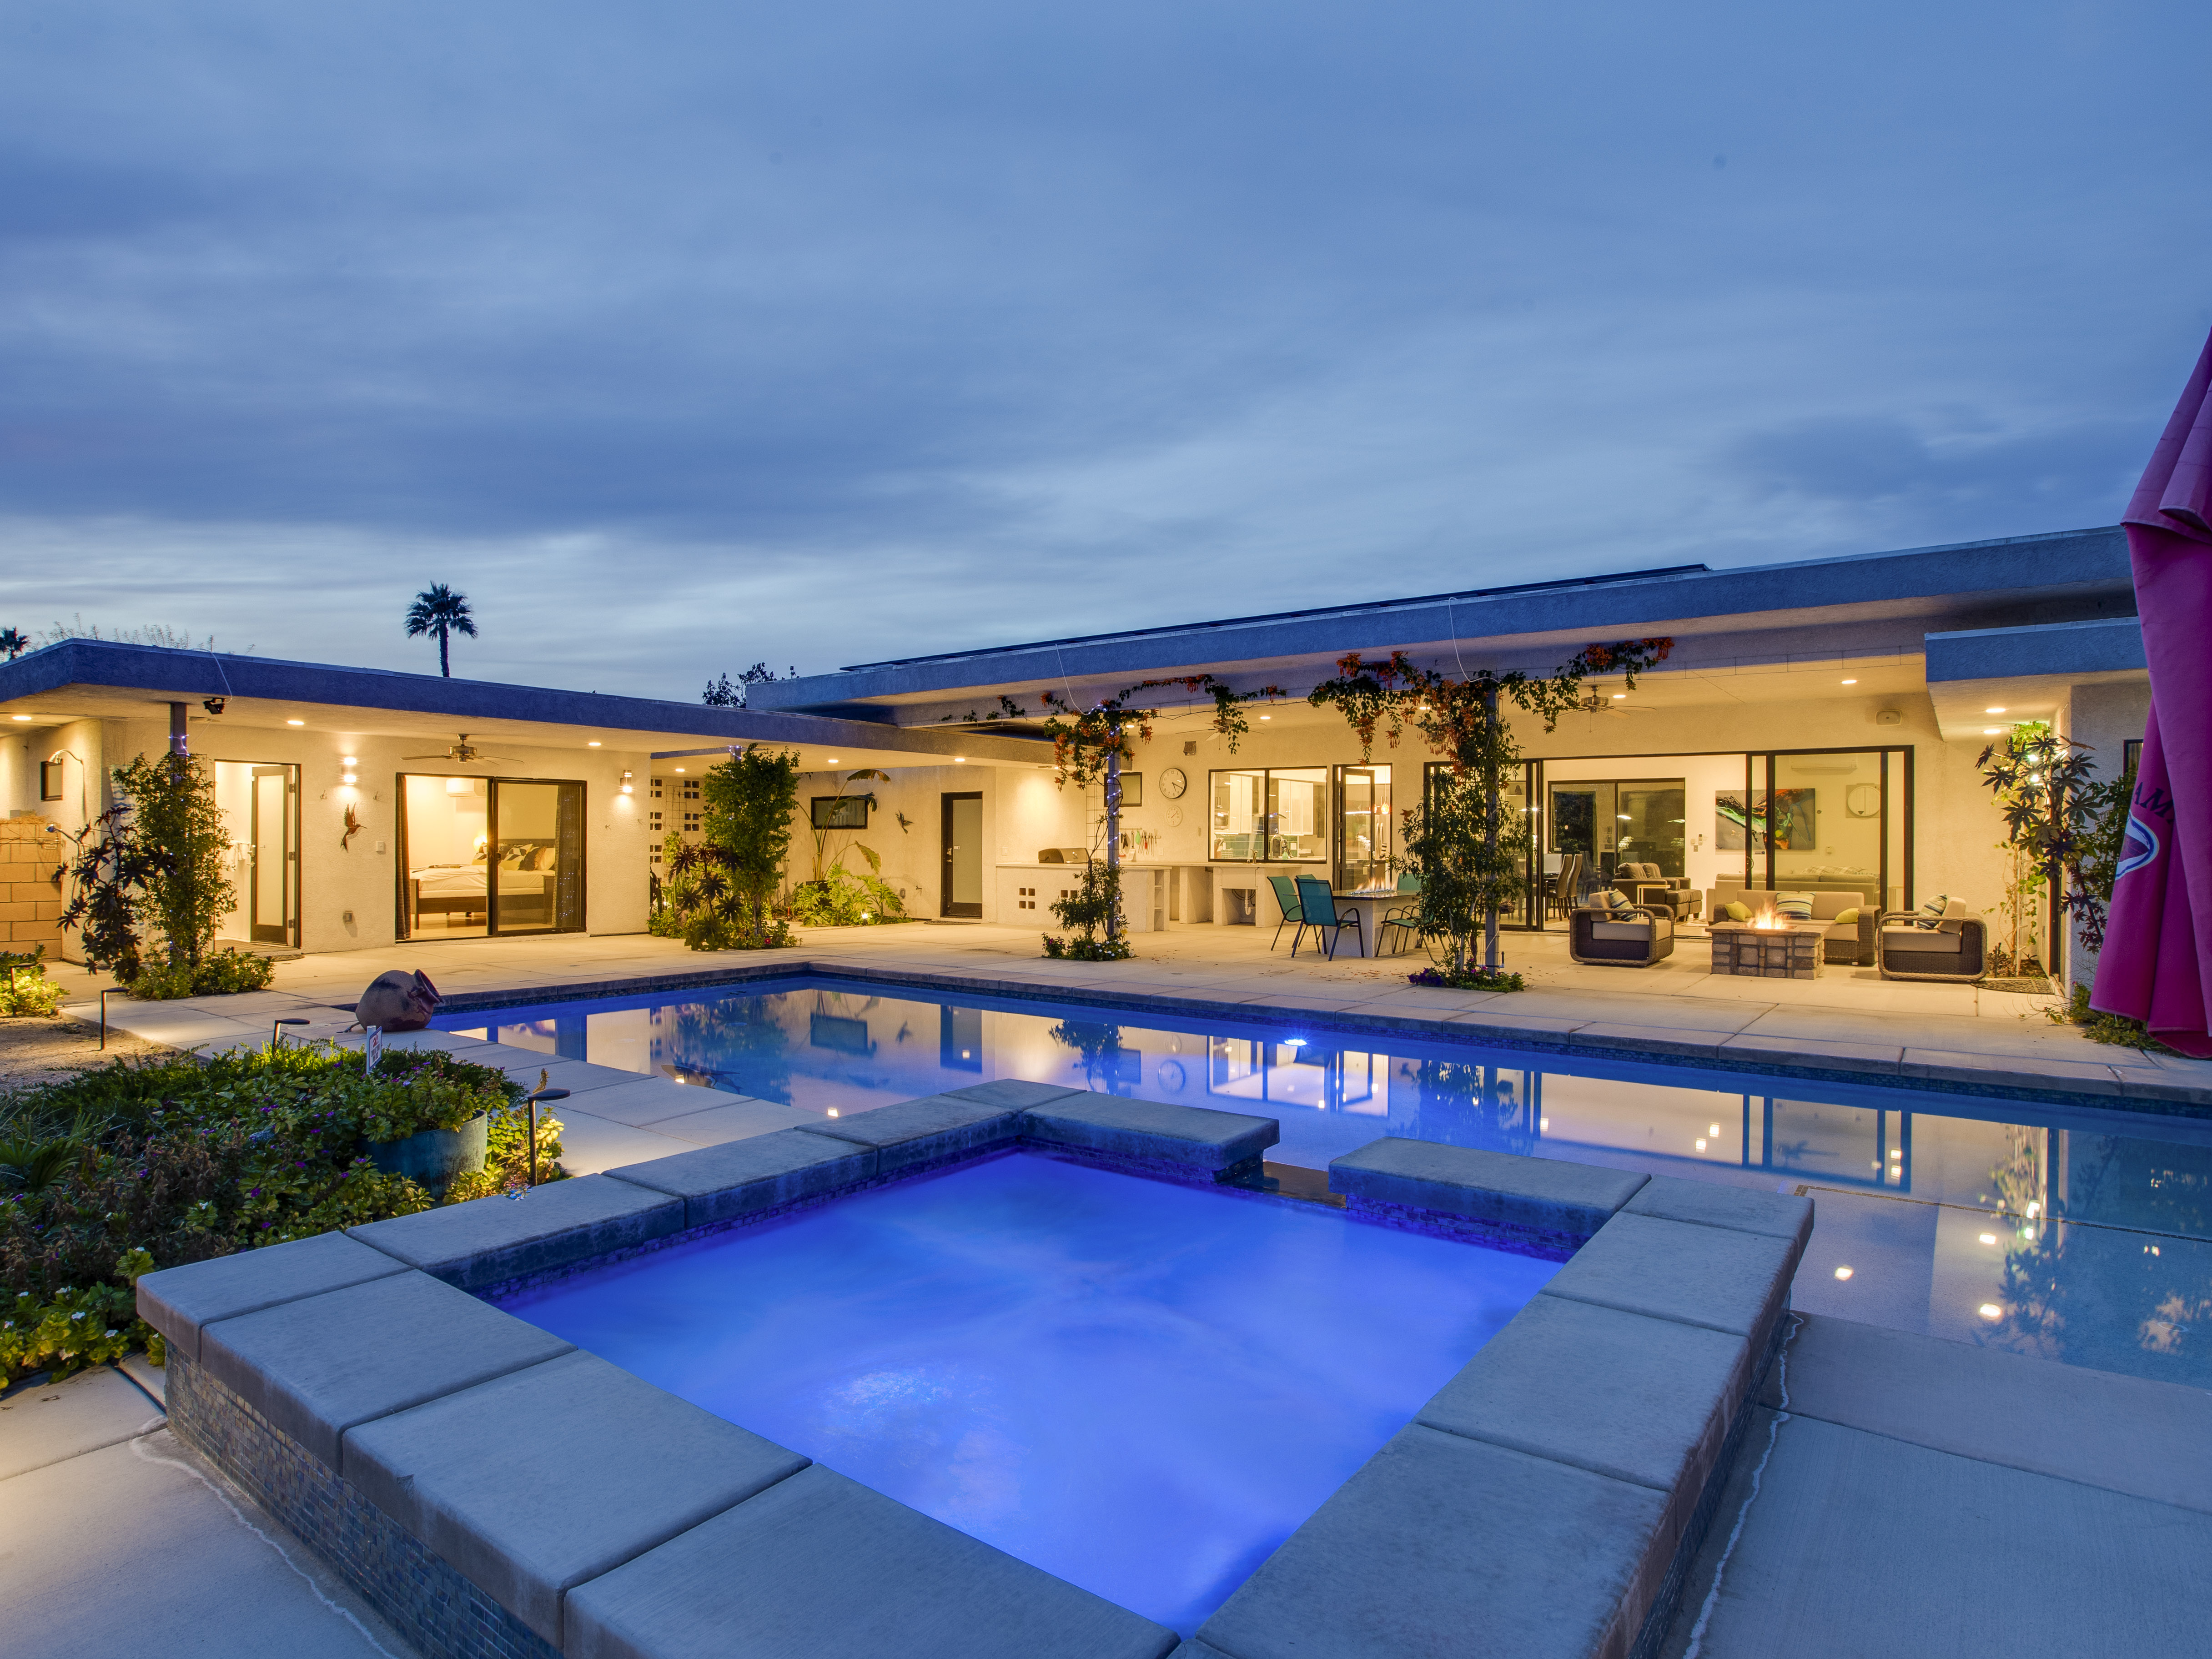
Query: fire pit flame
{"type": "Point", "coordinates": [1766, 922]}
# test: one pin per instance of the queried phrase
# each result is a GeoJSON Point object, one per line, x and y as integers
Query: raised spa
{"type": "Point", "coordinates": [1139, 1387]}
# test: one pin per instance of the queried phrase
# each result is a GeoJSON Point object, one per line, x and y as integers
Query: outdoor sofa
{"type": "Point", "coordinates": [1645, 884]}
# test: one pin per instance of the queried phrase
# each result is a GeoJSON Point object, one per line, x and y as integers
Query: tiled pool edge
{"type": "Point", "coordinates": [2175, 1099]}
{"type": "Point", "coordinates": [1437, 1188]}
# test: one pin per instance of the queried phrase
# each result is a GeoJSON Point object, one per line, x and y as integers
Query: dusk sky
{"type": "Point", "coordinates": [683, 335]}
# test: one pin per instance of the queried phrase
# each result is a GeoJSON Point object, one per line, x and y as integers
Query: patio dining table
{"type": "Point", "coordinates": [1373, 904]}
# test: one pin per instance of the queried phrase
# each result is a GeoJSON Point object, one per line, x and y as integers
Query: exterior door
{"type": "Point", "coordinates": [271, 881]}
{"type": "Point", "coordinates": [963, 888]}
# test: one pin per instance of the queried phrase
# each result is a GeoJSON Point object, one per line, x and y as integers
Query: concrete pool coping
{"type": "Point", "coordinates": [493, 1491]}
{"type": "Point", "coordinates": [2122, 1079]}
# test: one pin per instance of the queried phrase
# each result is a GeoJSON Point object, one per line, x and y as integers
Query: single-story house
{"type": "Point", "coordinates": [1815, 725]}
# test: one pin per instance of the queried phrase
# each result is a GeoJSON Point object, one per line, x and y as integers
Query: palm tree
{"type": "Point", "coordinates": [14, 642]}
{"type": "Point", "coordinates": [438, 610]}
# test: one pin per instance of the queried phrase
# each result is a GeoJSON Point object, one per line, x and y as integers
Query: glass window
{"type": "Point", "coordinates": [1236, 799]}
{"type": "Point", "coordinates": [1363, 832]}
{"type": "Point", "coordinates": [1262, 816]}
{"type": "Point", "coordinates": [1298, 815]}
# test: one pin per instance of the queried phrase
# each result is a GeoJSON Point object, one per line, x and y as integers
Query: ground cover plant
{"type": "Point", "coordinates": [175, 1159]}
{"type": "Point", "coordinates": [25, 990]}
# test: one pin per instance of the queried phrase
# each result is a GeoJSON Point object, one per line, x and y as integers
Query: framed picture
{"type": "Point", "coordinates": [840, 812]}
{"type": "Point", "coordinates": [1133, 788]}
{"type": "Point", "coordinates": [1791, 810]}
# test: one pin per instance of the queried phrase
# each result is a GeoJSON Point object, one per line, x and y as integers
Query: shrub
{"type": "Point", "coordinates": [222, 972]}
{"type": "Point", "coordinates": [25, 988]}
{"type": "Point", "coordinates": [170, 1160]}
{"type": "Point", "coordinates": [1088, 907]}
{"type": "Point", "coordinates": [2102, 1027]}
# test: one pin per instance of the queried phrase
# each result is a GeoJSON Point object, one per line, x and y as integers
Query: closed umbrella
{"type": "Point", "coordinates": [2156, 965]}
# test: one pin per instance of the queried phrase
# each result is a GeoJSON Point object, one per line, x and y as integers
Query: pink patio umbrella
{"type": "Point", "coordinates": [2156, 965]}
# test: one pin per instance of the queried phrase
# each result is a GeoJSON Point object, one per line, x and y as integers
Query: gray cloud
{"type": "Point", "coordinates": [685, 337]}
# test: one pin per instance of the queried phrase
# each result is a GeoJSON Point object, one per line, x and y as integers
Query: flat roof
{"type": "Point", "coordinates": [77, 679]}
{"type": "Point", "coordinates": [1870, 602]}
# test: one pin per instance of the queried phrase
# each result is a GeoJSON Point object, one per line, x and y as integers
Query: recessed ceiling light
{"type": "Point", "coordinates": [832, 760]}
{"type": "Point", "coordinates": [679, 768]}
{"type": "Point", "coordinates": [1617, 695]}
{"type": "Point", "coordinates": [592, 744]}
{"type": "Point", "coordinates": [1266, 717]}
{"type": "Point", "coordinates": [295, 722]}
{"type": "Point", "coordinates": [1851, 682]}
{"type": "Point", "coordinates": [19, 717]}
{"type": "Point", "coordinates": [1993, 711]}
{"type": "Point", "coordinates": [1991, 730]}
{"type": "Point", "coordinates": [960, 760]}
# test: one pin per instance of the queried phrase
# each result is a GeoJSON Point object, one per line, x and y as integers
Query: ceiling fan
{"type": "Point", "coordinates": [463, 753]}
{"type": "Point", "coordinates": [1601, 702]}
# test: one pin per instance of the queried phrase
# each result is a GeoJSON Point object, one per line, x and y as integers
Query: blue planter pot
{"type": "Point", "coordinates": [434, 1157]}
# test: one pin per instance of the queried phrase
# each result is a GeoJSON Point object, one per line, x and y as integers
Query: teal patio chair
{"type": "Point", "coordinates": [1317, 909]}
{"type": "Point", "coordinates": [1286, 900]}
{"type": "Point", "coordinates": [1405, 918]}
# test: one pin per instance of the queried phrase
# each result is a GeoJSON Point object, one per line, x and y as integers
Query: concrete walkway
{"type": "Point", "coordinates": [1898, 1495]}
{"type": "Point", "coordinates": [116, 1539]}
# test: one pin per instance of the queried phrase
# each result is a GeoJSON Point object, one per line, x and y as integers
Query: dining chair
{"type": "Point", "coordinates": [1317, 908]}
{"type": "Point", "coordinates": [1405, 918]}
{"type": "Point", "coordinates": [1286, 900]}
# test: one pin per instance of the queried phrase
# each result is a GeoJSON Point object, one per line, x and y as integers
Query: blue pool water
{"type": "Point", "coordinates": [1141, 1388]}
{"type": "Point", "coordinates": [2072, 1234]}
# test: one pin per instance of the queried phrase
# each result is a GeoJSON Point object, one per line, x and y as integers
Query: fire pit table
{"type": "Point", "coordinates": [1780, 950]}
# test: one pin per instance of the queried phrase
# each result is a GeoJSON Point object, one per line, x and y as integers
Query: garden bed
{"type": "Point", "coordinates": [166, 1159]}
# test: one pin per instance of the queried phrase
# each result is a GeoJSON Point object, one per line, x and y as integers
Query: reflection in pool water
{"type": "Point", "coordinates": [2094, 1246]}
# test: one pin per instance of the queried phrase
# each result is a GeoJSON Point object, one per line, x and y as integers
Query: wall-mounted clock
{"type": "Point", "coordinates": [1173, 782]}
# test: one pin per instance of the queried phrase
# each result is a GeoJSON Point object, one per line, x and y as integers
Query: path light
{"type": "Point", "coordinates": [276, 1033]}
{"type": "Point", "coordinates": [542, 1094]}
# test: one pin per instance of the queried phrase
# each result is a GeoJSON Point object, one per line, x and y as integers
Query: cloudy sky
{"type": "Point", "coordinates": [685, 335]}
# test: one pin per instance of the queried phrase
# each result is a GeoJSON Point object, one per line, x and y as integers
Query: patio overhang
{"type": "Point", "coordinates": [1983, 680]}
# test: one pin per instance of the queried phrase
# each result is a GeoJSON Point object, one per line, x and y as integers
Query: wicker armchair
{"type": "Point", "coordinates": [1956, 950]}
{"type": "Point", "coordinates": [1642, 937]}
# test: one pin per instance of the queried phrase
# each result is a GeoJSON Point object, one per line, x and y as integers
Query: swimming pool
{"type": "Point", "coordinates": [1141, 1388]}
{"type": "Point", "coordinates": [2070, 1234]}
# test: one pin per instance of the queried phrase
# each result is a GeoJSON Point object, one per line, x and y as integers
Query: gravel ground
{"type": "Point", "coordinates": [35, 1051]}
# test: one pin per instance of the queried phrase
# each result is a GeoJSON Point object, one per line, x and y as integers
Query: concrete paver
{"type": "Point", "coordinates": [139, 1541]}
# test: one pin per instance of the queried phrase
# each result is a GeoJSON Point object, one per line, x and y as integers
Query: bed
{"type": "Point", "coordinates": [526, 886]}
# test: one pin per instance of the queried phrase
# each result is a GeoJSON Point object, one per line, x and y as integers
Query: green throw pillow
{"type": "Point", "coordinates": [1846, 918]}
{"type": "Point", "coordinates": [1737, 910]}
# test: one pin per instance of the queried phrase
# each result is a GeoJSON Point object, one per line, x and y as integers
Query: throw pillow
{"type": "Point", "coordinates": [1611, 899]}
{"type": "Point", "coordinates": [1794, 907]}
{"type": "Point", "coordinates": [1845, 919]}
{"type": "Point", "coordinates": [1737, 910]}
{"type": "Point", "coordinates": [1931, 912]}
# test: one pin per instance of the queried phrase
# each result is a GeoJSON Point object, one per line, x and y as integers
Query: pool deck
{"type": "Point", "coordinates": [1898, 1441]}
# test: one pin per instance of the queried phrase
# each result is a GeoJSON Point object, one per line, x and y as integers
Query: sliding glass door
{"type": "Point", "coordinates": [482, 856]}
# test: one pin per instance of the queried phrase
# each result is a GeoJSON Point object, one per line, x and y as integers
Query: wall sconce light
{"type": "Point", "coordinates": [345, 777]}
{"type": "Point", "coordinates": [626, 783]}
